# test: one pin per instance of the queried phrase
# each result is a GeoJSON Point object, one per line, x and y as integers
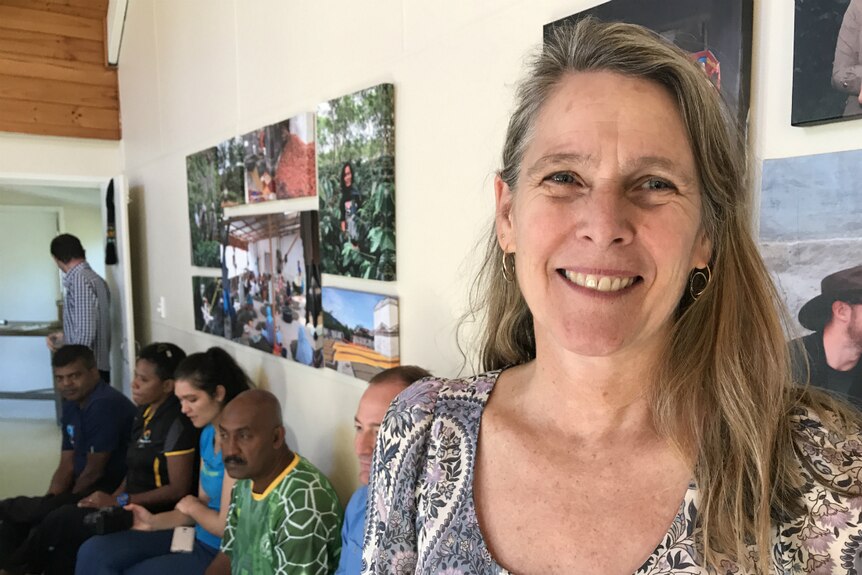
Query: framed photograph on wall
{"type": "Point", "coordinates": [208, 305]}
{"type": "Point", "coordinates": [280, 160]}
{"type": "Point", "coordinates": [214, 180]}
{"type": "Point", "coordinates": [811, 240]}
{"type": "Point", "coordinates": [356, 172]}
{"type": "Point", "coordinates": [717, 34]}
{"type": "Point", "coordinates": [271, 268]}
{"type": "Point", "coordinates": [361, 333]}
{"type": "Point", "coordinates": [827, 61]}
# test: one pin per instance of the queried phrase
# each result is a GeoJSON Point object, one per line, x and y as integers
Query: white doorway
{"type": "Point", "coordinates": [83, 214]}
{"type": "Point", "coordinates": [29, 291]}
{"type": "Point", "coordinates": [31, 282]}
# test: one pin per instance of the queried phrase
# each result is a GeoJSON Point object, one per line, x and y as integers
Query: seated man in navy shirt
{"type": "Point", "coordinates": [96, 425]}
{"type": "Point", "coordinates": [373, 404]}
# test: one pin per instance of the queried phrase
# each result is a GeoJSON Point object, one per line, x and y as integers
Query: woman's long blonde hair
{"type": "Point", "coordinates": [724, 389]}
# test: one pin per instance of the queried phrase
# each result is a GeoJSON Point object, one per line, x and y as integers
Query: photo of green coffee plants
{"type": "Point", "coordinates": [216, 179]}
{"type": "Point", "coordinates": [356, 184]}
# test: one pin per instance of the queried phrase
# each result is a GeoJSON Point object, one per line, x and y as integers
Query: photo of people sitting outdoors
{"type": "Point", "coordinates": [273, 288]}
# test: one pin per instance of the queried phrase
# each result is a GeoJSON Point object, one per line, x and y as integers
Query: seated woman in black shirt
{"type": "Point", "coordinates": [161, 463]}
{"type": "Point", "coordinates": [161, 456]}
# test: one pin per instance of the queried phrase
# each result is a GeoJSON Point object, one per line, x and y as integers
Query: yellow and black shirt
{"type": "Point", "coordinates": [157, 435]}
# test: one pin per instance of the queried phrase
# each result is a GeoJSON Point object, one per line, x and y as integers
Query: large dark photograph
{"type": "Point", "coordinates": [827, 62]}
{"type": "Point", "coordinates": [716, 33]}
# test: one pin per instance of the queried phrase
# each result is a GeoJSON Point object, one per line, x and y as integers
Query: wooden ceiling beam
{"type": "Point", "coordinates": [100, 5]}
{"type": "Point", "coordinates": [58, 70]}
{"type": "Point", "coordinates": [24, 43]}
{"type": "Point", "coordinates": [87, 9]}
{"type": "Point", "coordinates": [65, 130]}
{"type": "Point", "coordinates": [56, 114]}
{"type": "Point", "coordinates": [12, 17]}
{"type": "Point", "coordinates": [43, 90]}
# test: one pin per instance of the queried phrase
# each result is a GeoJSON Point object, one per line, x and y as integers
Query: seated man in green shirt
{"type": "Point", "coordinates": [284, 516]}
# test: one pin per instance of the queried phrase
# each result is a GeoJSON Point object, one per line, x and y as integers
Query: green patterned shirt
{"type": "Point", "coordinates": [292, 528]}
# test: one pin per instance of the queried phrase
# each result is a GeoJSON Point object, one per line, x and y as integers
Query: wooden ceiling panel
{"type": "Point", "coordinates": [53, 114]}
{"type": "Point", "coordinates": [65, 130]}
{"type": "Point", "coordinates": [41, 45]}
{"type": "Point", "coordinates": [16, 18]}
{"type": "Point", "coordinates": [93, 9]}
{"type": "Point", "coordinates": [58, 70]}
{"type": "Point", "coordinates": [53, 76]}
{"type": "Point", "coordinates": [44, 90]}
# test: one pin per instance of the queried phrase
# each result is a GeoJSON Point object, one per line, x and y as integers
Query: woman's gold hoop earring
{"type": "Point", "coordinates": [508, 271]}
{"type": "Point", "coordinates": [698, 281]}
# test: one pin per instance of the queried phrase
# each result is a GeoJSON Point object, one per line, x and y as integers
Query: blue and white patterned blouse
{"type": "Point", "coordinates": [422, 517]}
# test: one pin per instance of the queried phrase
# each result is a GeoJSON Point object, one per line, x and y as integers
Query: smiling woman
{"type": "Point", "coordinates": [609, 198]}
{"type": "Point", "coordinates": [638, 413]}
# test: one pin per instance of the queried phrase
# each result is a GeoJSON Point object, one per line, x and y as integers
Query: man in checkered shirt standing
{"type": "Point", "coordinates": [86, 304]}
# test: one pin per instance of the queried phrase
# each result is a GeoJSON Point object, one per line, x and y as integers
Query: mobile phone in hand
{"type": "Point", "coordinates": [183, 540]}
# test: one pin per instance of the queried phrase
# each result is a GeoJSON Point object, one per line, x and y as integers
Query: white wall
{"type": "Point", "coordinates": [195, 72]}
{"type": "Point", "coordinates": [46, 159]}
{"type": "Point", "coordinates": [29, 354]}
{"type": "Point", "coordinates": [84, 221]}
{"type": "Point", "coordinates": [772, 85]}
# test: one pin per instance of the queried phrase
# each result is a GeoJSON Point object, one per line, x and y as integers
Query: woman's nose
{"type": "Point", "coordinates": [603, 216]}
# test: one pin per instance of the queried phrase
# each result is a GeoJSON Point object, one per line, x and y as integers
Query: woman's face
{"type": "Point", "coordinates": [347, 176]}
{"type": "Point", "coordinates": [605, 222]}
{"type": "Point", "coordinates": [199, 406]}
{"type": "Point", "coordinates": [147, 387]}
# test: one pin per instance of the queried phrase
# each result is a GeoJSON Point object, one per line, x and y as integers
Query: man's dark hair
{"type": "Point", "coordinates": [71, 353]}
{"type": "Point", "coordinates": [67, 247]}
{"type": "Point", "coordinates": [406, 373]}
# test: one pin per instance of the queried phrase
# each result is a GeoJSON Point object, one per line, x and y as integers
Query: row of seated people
{"type": "Point", "coordinates": [121, 502]}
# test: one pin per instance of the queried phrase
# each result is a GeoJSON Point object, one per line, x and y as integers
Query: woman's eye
{"type": "Point", "coordinates": [561, 178]}
{"type": "Point", "coordinates": [657, 184]}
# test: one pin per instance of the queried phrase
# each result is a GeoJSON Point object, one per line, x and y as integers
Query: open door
{"type": "Point", "coordinates": [119, 278]}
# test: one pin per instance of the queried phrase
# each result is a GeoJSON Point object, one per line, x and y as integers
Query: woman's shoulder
{"type": "Point", "coordinates": [170, 409]}
{"type": "Point", "coordinates": [830, 448]}
{"type": "Point", "coordinates": [413, 411]}
{"type": "Point", "coordinates": [207, 443]}
{"type": "Point", "coordinates": [425, 395]}
{"type": "Point", "coordinates": [207, 432]}
{"type": "Point", "coordinates": [824, 534]}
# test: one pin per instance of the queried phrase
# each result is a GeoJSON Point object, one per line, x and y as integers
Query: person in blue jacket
{"type": "Point", "coordinates": [373, 404]}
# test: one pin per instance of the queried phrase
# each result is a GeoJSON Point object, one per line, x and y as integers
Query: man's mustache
{"type": "Point", "coordinates": [233, 459]}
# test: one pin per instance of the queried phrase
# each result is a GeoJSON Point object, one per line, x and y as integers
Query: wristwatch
{"type": "Point", "coordinates": [123, 499]}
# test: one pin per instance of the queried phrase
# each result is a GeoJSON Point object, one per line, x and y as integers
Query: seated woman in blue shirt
{"type": "Point", "coordinates": [205, 383]}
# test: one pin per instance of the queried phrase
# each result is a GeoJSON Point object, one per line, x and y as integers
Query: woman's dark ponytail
{"type": "Point", "coordinates": [212, 368]}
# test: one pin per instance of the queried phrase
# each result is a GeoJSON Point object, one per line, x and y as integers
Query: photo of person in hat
{"type": "Point", "coordinates": [834, 349]}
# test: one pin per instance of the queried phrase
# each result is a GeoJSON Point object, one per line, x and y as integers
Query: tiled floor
{"type": "Point", "coordinates": [29, 453]}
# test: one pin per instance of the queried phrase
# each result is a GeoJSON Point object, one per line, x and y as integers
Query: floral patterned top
{"type": "Point", "coordinates": [422, 517]}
